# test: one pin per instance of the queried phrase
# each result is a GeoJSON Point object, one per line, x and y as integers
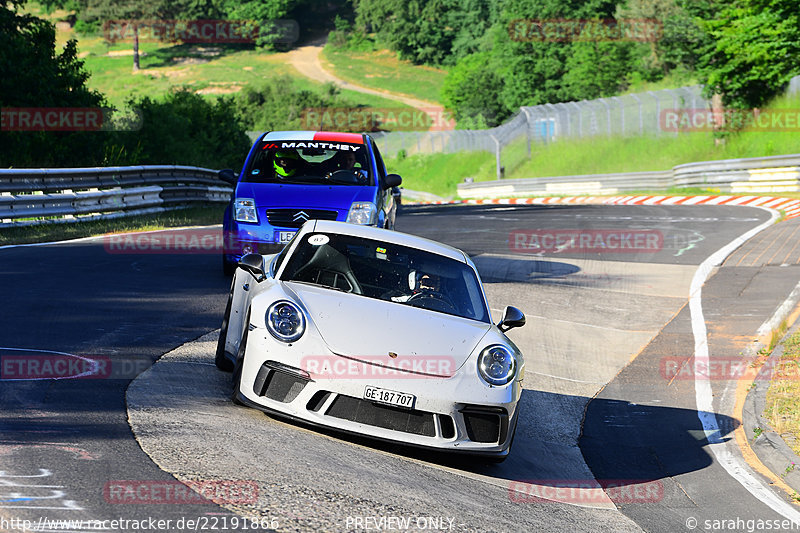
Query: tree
{"type": "Point", "coordinates": [418, 30]}
{"type": "Point", "coordinates": [34, 74]}
{"type": "Point", "coordinates": [471, 91]}
{"type": "Point", "coordinates": [755, 51]}
{"type": "Point", "coordinates": [133, 12]}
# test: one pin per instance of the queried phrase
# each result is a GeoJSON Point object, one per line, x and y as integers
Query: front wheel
{"type": "Point", "coordinates": [237, 369]}
{"type": "Point", "coordinates": [228, 268]}
{"type": "Point", "coordinates": [222, 362]}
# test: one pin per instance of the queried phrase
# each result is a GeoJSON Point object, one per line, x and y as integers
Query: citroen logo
{"type": "Point", "coordinates": [301, 215]}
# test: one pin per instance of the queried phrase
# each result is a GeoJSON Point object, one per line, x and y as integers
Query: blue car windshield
{"type": "Point", "coordinates": [309, 163]}
{"type": "Point", "coordinates": [389, 272]}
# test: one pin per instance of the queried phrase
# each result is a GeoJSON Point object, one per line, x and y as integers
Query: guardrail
{"type": "Point", "coordinates": [40, 196]}
{"type": "Point", "coordinates": [736, 176]}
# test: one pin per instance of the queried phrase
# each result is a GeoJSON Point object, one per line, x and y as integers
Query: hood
{"type": "Point", "coordinates": [277, 195]}
{"type": "Point", "coordinates": [368, 330]}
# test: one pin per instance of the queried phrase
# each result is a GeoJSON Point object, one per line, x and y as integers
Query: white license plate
{"type": "Point", "coordinates": [390, 397]}
{"type": "Point", "coordinates": [285, 236]}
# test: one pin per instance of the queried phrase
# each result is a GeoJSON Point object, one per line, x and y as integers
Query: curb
{"type": "Point", "coordinates": [769, 446]}
{"type": "Point", "coordinates": [790, 206]}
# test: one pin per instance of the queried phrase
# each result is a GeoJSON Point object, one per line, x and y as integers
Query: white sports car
{"type": "Point", "coordinates": [376, 333]}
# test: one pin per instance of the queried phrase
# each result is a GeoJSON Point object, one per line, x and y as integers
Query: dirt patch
{"type": "Point", "coordinates": [189, 60]}
{"type": "Point", "coordinates": [216, 89]}
{"type": "Point", "coordinates": [123, 53]}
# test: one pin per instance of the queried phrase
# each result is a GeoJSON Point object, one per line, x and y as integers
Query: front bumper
{"type": "Point", "coordinates": [455, 414]}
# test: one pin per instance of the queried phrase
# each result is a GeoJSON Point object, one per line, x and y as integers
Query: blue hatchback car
{"type": "Point", "coordinates": [293, 176]}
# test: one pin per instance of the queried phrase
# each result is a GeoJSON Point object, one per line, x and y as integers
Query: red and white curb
{"type": "Point", "coordinates": [790, 206]}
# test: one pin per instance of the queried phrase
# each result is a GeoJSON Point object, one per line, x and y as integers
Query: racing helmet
{"type": "Point", "coordinates": [286, 163]}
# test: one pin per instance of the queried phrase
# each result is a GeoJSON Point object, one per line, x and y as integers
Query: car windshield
{"type": "Point", "coordinates": [389, 272]}
{"type": "Point", "coordinates": [309, 163]}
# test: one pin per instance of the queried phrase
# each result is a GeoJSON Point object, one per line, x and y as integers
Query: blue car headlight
{"type": "Point", "coordinates": [497, 364]}
{"type": "Point", "coordinates": [364, 213]}
{"type": "Point", "coordinates": [244, 210]}
{"type": "Point", "coordinates": [285, 321]}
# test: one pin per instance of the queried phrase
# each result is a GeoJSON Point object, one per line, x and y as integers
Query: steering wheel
{"type": "Point", "coordinates": [344, 175]}
{"type": "Point", "coordinates": [434, 296]}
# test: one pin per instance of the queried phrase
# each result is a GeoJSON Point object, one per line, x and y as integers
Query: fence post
{"type": "Point", "coordinates": [641, 120]}
{"type": "Point", "coordinates": [527, 129]}
{"type": "Point", "coordinates": [658, 111]}
{"type": "Point", "coordinates": [497, 156]}
{"type": "Point", "coordinates": [621, 114]}
{"type": "Point", "coordinates": [580, 119]}
{"type": "Point", "coordinates": [608, 115]}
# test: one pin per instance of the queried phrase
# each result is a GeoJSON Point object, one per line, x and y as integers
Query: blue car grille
{"type": "Point", "coordinates": [294, 218]}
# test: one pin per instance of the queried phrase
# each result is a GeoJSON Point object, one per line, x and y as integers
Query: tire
{"type": "Point", "coordinates": [237, 369]}
{"type": "Point", "coordinates": [222, 362]}
{"type": "Point", "coordinates": [228, 268]}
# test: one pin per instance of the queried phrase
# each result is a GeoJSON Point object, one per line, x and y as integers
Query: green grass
{"type": "Point", "coordinates": [382, 70]}
{"type": "Point", "coordinates": [782, 407]}
{"type": "Point", "coordinates": [193, 216]}
{"type": "Point", "coordinates": [211, 70]}
{"type": "Point", "coordinates": [440, 173]}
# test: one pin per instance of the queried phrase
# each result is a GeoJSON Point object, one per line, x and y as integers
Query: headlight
{"type": "Point", "coordinates": [497, 364]}
{"type": "Point", "coordinates": [244, 210]}
{"type": "Point", "coordinates": [364, 213]}
{"type": "Point", "coordinates": [285, 321]}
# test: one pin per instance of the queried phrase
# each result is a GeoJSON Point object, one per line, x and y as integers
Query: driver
{"type": "Point", "coordinates": [429, 282]}
{"type": "Point", "coordinates": [347, 160]}
{"type": "Point", "coordinates": [286, 163]}
{"type": "Point", "coordinates": [421, 283]}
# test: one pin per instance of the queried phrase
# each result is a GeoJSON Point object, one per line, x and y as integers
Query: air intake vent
{"type": "Point", "coordinates": [382, 416]}
{"type": "Point", "coordinates": [485, 424]}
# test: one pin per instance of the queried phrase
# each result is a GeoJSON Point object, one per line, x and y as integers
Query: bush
{"type": "Point", "coordinates": [184, 129]}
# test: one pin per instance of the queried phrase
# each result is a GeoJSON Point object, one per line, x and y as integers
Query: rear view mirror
{"type": "Point", "coordinates": [512, 318]}
{"type": "Point", "coordinates": [254, 264]}
{"type": "Point", "coordinates": [393, 180]}
{"type": "Point", "coordinates": [227, 175]}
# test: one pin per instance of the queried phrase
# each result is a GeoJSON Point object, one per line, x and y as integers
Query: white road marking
{"type": "Point", "coordinates": [734, 465]}
{"type": "Point", "coordinates": [94, 365]}
{"type": "Point", "coordinates": [99, 237]}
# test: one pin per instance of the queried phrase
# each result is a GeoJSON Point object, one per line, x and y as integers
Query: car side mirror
{"type": "Point", "coordinates": [392, 180]}
{"type": "Point", "coordinates": [227, 175]}
{"type": "Point", "coordinates": [512, 318]}
{"type": "Point", "coordinates": [254, 264]}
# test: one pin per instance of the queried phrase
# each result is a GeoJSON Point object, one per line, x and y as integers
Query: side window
{"type": "Point", "coordinates": [379, 163]}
